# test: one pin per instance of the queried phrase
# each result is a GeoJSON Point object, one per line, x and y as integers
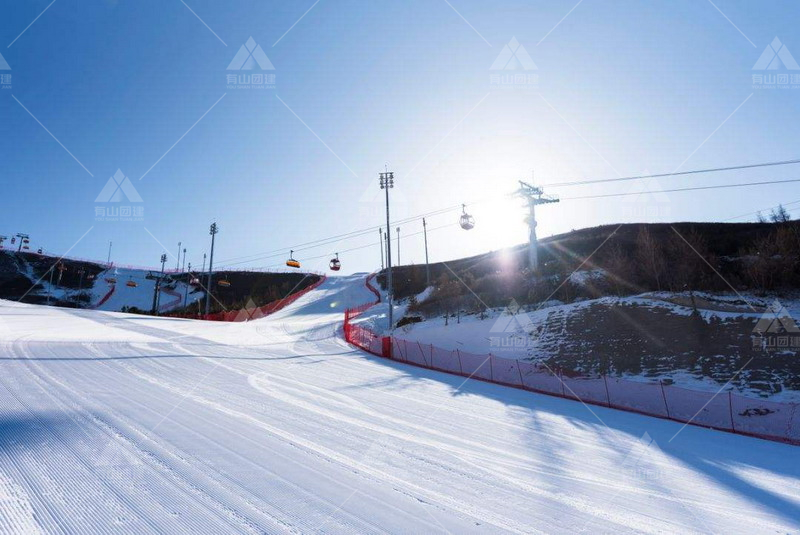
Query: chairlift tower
{"type": "Point", "coordinates": [22, 237]}
{"type": "Point", "coordinates": [534, 196]}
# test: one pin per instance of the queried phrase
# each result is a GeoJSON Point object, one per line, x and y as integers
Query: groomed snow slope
{"type": "Point", "coordinates": [116, 423]}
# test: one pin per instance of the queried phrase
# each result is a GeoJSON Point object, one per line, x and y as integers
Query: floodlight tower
{"type": "Point", "coordinates": [213, 231]}
{"type": "Point", "coordinates": [157, 288]}
{"type": "Point", "coordinates": [387, 182]}
{"type": "Point", "coordinates": [534, 196]}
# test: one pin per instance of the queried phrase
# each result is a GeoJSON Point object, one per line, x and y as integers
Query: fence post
{"type": "Point", "coordinates": [460, 366]}
{"type": "Point", "coordinates": [608, 396]}
{"type": "Point", "coordinates": [405, 346]}
{"type": "Point", "coordinates": [666, 406]}
{"type": "Point", "coordinates": [422, 353]}
{"type": "Point", "coordinates": [521, 382]}
{"type": "Point", "coordinates": [561, 380]}
{"type": "Point", "coordinates": [431, 356]}
{"type": "Point", "coordinates": [730, 406]}
{"type": "Point", "coordinates": [491, 370]}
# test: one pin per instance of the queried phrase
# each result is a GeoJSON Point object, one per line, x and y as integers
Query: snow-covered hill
{"type": "Point", "coordinates": [116, 423]}
{"type": "Point", "coordinates": [27, 276]}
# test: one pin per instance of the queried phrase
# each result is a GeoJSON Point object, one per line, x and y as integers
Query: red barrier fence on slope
{"type": "Point", "coordinates": [246, 314]}
{"type": "Point", "coordinates": [724, 411]}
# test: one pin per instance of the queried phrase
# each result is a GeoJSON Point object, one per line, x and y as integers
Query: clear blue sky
{"type": "Point", "coordinates": [621, 88]}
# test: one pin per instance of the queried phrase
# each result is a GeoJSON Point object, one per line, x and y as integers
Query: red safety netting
{"type": "Point", "coordinates": [718, 410]}
{"type": "Point", "coordinates": [247, 314]}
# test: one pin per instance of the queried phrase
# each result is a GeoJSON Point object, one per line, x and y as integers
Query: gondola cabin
{"type": "Point", "coordinates": [335, 265]}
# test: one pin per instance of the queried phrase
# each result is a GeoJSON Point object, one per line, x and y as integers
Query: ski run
{"type": "Point", "coordinates": [117, 423]}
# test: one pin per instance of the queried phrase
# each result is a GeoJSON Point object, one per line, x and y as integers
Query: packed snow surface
{"type": "Point", "coordinates": [115, 423]}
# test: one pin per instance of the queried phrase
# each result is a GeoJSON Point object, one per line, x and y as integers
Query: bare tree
{"type": "Point", "coordinates": [650, 254]}
{"type": "Point", "coordinates": [780, 215]}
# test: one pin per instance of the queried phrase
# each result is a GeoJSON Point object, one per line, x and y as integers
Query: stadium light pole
{"type": "Point", "coordinates": [213, 231]}
{"type": "Point", "coordinates": [157, 288]}
{"type": "Point", "coordinates": [387, 183]}
{"type": "Point", "coordinates": [178, 260]}
{"type": "Point", "coordinates": [183, 266]}
{"type": "Point", "coordinates": [427, 265]}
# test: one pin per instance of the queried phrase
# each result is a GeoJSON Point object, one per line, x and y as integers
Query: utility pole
{"type": "Point", "coordinates": [178, 260]}
{"type": "Point", "coordinates": [109, 254]}
{"type": "Point", "coordinates": [81, 271]}
{"type": "Point", "coordinates": [22, 238]}
{"type": "Point", "coordinates": [61, 269]}
{"type": "Point", "coordinates": [188, 282]}
{"type": "Point", "coordinates": [213, 231]}
{"type": "Point", "coordinates": [387, 182]}
{"type": "Point", "coordinates": [398, 246]}
{"type": "Point", "coordinates": [50, 290]}
{"type": "Point", "coordinates": [204, 265]}
{"type": "Point", "coordinates": [534, 196]}
{"type": "Point", "coordinates": [157, 290]}
{"type": "Point", "coordinates": [380, 242]}
{"type": "Point", "coordinates": [427, 266]}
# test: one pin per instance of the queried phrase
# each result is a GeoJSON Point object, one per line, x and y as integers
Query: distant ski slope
{"type": "Point", "coordinates": [116, 423]}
